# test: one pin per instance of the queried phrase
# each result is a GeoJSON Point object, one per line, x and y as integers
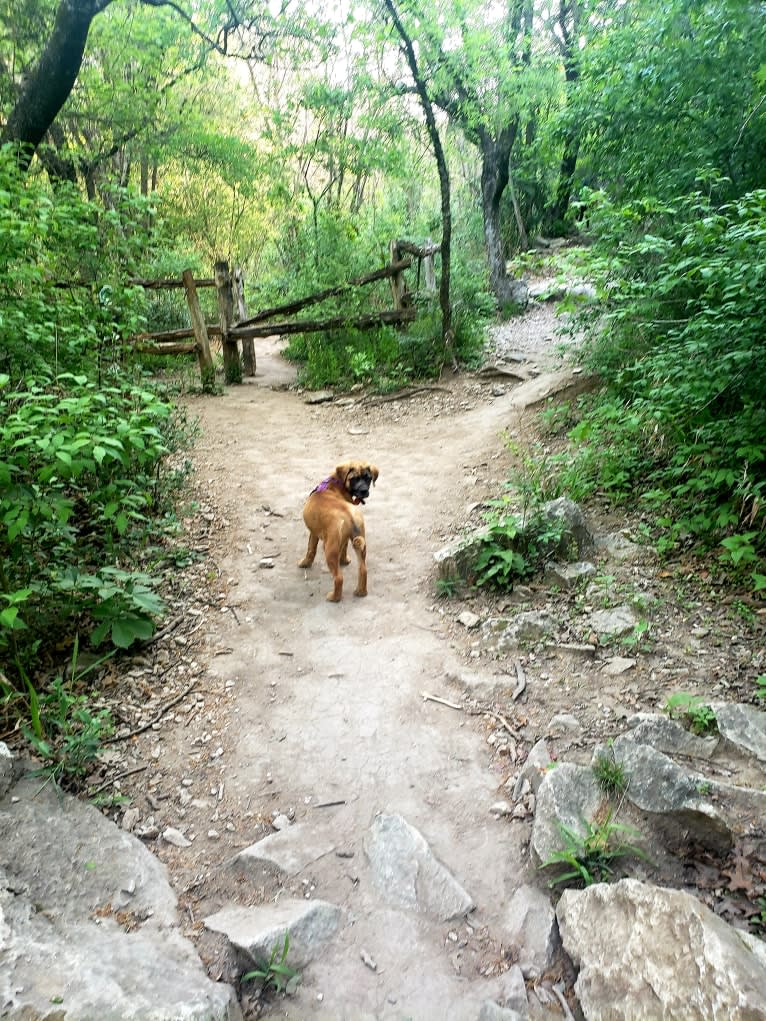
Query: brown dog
{"type": "Point", "coordinates": [331, 514]}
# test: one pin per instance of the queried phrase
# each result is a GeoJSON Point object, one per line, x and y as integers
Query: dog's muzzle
{"type": "Point", "coordinates": [359, 488]}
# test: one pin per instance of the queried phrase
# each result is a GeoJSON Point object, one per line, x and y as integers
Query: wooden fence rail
{"type": "Point", "coordinates": [236, 328]}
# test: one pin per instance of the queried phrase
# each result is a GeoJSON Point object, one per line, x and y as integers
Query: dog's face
{"type": "Point", "coordinates": [357, 477]}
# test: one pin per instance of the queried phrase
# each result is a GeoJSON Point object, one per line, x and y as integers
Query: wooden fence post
{"type": "Point", "coordinates": [232, 367]}
{"type": "Point", "coordinates": [397, 281]}
{"type": "Point", "coordinates": [248, 344]}
{"type": "Point", "coordinates": [428, 266]}
{"type": "Point", "coordinates": [206, 367]}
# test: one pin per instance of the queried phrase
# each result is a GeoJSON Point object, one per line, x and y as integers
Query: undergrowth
{"type": "Point", "coordinates": [678, 336]}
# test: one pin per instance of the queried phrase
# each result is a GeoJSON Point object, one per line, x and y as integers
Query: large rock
{"type": "Point", "coordinates": [88, 921]}
{"type": "Point", "coordinates": [256, 931]}
{"type": "Point", "coordinates": [6, 769]}
{"type": "Point", "coordinates": [569, 796]}
{"type": "Point", "coordinates": [529, 925]}
{"type": "Point", "coordinates": [646, 953]}
{"type": "Point", "coordinates": [614, 623]}
{"type": "Point", "coordinates": [669, 736]}
{"type": "Point", "coordinates": [526, 628]}
{"type": "Point", "coordinates": [456, 560]}
{"type": "Point", "coordinates": [744, 726]}
{"type": "Point", "coordinates": [405, 870]}
{"type": "Point", "coordinates": [576, 536]}
{"type": "Point", "coordinates": [682, 799]}
{"type": "Point", "coordinates": [290, 850]}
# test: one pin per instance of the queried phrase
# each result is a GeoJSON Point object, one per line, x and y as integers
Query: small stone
{"type": "Point", "coordinates": [280, 822]}
{"type": "Point", "coordinates": [173, 836]}
{"type": "Point", "coordinates": [501, 808]}
{"type": "Point", "coordinates": [368, 961]}
{"type": "Point", "coordinates": [468, 619]}
{"type": "Point", "coordinates": [130, 819]}
{"type": "Point", "coordinates": [266, 563]}
{"type": "Point", "coordinates": [618, 665]}
{"type": "Point", "coordinates": [213, 834]}
{"type": "Point", "coordinates": [565, 721]}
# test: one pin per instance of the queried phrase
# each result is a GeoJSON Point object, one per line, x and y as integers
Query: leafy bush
{"type": "Point", "coordinates": [512, 548]}
{"type": "Point", "coordinates": [83, 485]}
{"type": "Point", "coordinates": [680, 338]}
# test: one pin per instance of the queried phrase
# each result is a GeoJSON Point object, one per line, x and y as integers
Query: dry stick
{"type": "Point", "coordinates": [521, 687]}
{"type": "Point", "coordinates": [441, 701]}
{"type": "Point", "coordinates": [157, 718]}
{"type": "Point", "coordinates": [114, 779]}
{"type": "Point", "coordinates": [171, 626]}
{"type": "Point", "coordinates": [564, 1005]}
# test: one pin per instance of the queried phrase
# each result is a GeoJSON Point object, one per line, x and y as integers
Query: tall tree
{"type": "Point", "coordinates": [444, 182]}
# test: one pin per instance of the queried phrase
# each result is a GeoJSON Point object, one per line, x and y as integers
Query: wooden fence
{"type": "Point", "coordinates": [235, 328]}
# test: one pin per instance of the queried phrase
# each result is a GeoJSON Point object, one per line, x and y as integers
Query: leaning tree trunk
{"type": "Point", "coordinates": [495, 174]}
{"type": "Point", "coordinates": [448, 336]}
{"type": "Point", "coordinates": [49, 84]}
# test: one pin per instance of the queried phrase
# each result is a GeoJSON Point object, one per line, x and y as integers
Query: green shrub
{"type": "Point", "coordinates": [680, 339]}
{"type": "Point", "coordinates": [82, 486]}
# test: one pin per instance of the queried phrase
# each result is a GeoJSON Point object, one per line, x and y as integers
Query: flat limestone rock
{"type": "Point", "coordinates": [291, 850]}
{"type": "Point", "coordinates": [88, 921]}
{"type": "Point", "coordinates": [646, 953]}
{"type": "Point", "coordinates": [658, 785]}
{"type": "Point", "coordinates": [258, 930]}
{"type": "Point", "coordinates": [744, 726]}
{"type": "Point", "coordinates": [669, 736]}
{"type": "Point", "coordinates": [568, 796]}
{"type": "Point", "coordinates": [405, 870]}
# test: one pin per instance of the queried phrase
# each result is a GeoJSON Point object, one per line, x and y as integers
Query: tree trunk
{"type": "Point", "coordinates": [495, 174]}
{"type": "Point", "coordinates": [448, 336]}
{"type": "Point", "coordinates": [49, 84]}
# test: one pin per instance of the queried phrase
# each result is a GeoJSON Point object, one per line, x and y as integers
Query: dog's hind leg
{"type": "Point", "coordinates": [360, 548]}
{"type": "Point", "coordinates": [344, 557]}
{"type": "Point", "coordinates": [311, 552]}
{"type": "Point", "coordinates": [332, 556]}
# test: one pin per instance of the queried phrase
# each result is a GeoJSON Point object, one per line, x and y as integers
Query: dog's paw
{"type": "Point", "coordinates": [358, 593]}
{"type": "Point", "coordinates": [305, 563]}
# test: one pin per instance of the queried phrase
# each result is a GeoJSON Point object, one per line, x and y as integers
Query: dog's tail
{"type": "Point", "coordinates": [359, 544]}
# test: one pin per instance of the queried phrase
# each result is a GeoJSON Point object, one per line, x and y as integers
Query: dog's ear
{"type": "Point", "coordinates": [375, 473]}
{"type": "Point", "coordinates": [341, 473]}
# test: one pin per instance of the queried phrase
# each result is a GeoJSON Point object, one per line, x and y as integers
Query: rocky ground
{"type": "Point", "coordinates": [276, 751]}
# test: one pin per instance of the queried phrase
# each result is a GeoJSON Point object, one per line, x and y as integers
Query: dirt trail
{"type": "Point", "coordinates": [329, 703]}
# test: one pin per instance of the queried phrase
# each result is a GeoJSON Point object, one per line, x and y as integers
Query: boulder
{"type": "Point", "coordinates": [669, 736]}
{"type": "Point", "coordinates": [529, 925]}
{"type": "Point", "coordinates": [405, 870]}
{"type": "Point", "coordinates": [576, 536]}
{"type": "Point", "coordinates": [89, 922]}
{"type": "Point", "coordinates": [568, 576]}
{"type": "Point", "coordinates": [646, 953]}
{"type": "Point", "coordinates": [614, 623]}
{"type": "Point", "coordinates": [658, 785]}
{"type": "Point", "coordinates": [290, 850]}
{"type": "Point", "coordinates": [568, 796]}
{"type": "Point", "coordinates": [743, 726]}
{"type": "Point", "coordinates": [6, 769]}
{"type": "Point", "coordinates": [256, 931]}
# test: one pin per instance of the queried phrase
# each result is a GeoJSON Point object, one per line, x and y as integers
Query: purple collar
{"type": "Point", "coordinates": [325, 484]}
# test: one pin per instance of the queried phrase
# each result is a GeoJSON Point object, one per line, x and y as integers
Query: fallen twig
{"type": "Point", "coordinates": [157, 718]}
{"type": "Point", "coordinates": [521, 687]}
{"type": "Point", "coordinates": [170, 626]}
{"type": "Point", "coordinates": [114, 779]}
{"type": "Point", "coordinates": [441, 701]}
{"type": "Point", "coordinates": [329, 804]}
{"type": "Point", "coordinates": [564, 1005]}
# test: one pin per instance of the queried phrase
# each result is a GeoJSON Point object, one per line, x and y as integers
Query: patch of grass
{"type": "Point", "coordinates": [275, 973]}
{"type": "Point", "coordinates": [610, 774]}
{"type": "Point", "coordinates": [447, 588]}
{"type": "Point", "coordinates": [588, 856]}
{"type": "Point", "coordinates": [699, 717]}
